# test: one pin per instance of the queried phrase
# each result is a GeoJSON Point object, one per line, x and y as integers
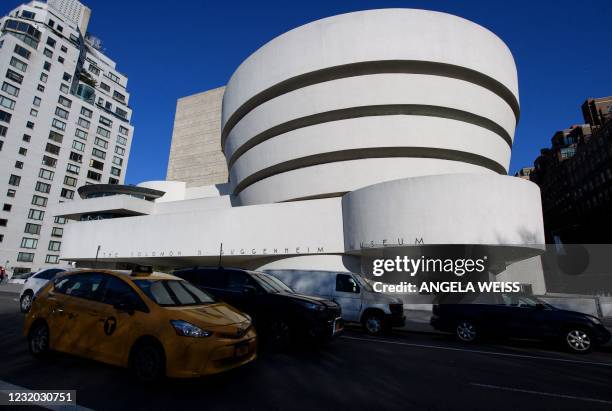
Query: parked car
{"type": "Point", "coordinates": [520, 316]}
{"type": "Point", "coordinates": [153, 323]}
{"type": "Point", "coordinates": [19, 278]}
{"type": "Point", "coordinates": [376, 312]}
{"type": "Point", "coordinates": [34, 283]}
{"type": "Point", "coordinates": [282, 317]}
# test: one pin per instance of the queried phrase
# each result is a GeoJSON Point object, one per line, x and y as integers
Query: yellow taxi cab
{"type": "Point", "coordinates": [153, 323]}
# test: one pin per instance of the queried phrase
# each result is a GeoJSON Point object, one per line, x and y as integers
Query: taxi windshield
{"type": "Point", "coordinates": [174, 293]}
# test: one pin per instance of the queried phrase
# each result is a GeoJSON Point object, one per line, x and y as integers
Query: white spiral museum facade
{"type": "Point", "coordinates": [389, 126]}
{"type": "Point", "coordinates": [366, 97]}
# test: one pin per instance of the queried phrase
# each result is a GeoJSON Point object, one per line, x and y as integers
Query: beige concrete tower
{"type": "Point", "coordinates": [195, 154]}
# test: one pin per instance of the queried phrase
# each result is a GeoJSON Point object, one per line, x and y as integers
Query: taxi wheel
{"type": "Point", "coordinates": [148, 362]}
{"type": "Point", "coordinates": [279, 334]}
{"type": "Point", "coordinates": [38, 340]}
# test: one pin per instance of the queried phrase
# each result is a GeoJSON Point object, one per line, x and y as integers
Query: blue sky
{"type": "Point", "coordinates": [563, 51]}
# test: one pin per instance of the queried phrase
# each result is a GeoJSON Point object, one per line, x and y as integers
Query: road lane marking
{"type": "Point", "coordinates": [7, 386]}
{"type": "Point", "coordinates": [438, 347]}
{"type": "Point", "coordinates": [545, 394]}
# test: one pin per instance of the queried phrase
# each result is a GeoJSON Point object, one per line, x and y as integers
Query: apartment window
{"type": "Point", "coordinates": [83, 123]}
{"type": "Point", "coordinates": [76, 157]}
{"type": "Point", "coordinates": [118, 96]}
{"type": "Point", "coordinates": [3, 222]}
{"type": "Point", "coordinates": [67, 76]}
{"type": "Point", "coordinates": [1, 238]}
{"type": "Point", "coordinates": [39, 201]}
{"type": "Point", "coordinates": [104, 132]}
{"type": "Point", "coordinates": [52, 259]}
{"type": "Point", "coordinates": [16, 77]}
{"type": "Point", "coordinates": [18, 64]}
{"type": "Point", "coordinates": [108, 105]}
{"type": "Point", "coordinates": [100, 142]}
{"type": "Point", "coordinates": [81, 134]}
{"type": "Point", "coordinates": [121, 113]}
{"type": "Point", "coordinates": [112, 180]}
{"type": "Point", "coordinates": [26, 138]}
{"type": "Point", "coordinates": [44, 77]}
{"type": "Point", "coordinates": [61, 113]}
{"type": "Point", "coordinates": [34, 112]}
{"type": "Point", "coordinates": [60, 28]}
{"type": "Point", "coordinates": [94, 69]}
{"type": "Point", "coordinates": [43, 187]}
{"type": "Point", "coordinates": [94, 176]}
{"type": "Point", "coordinates": [86, 112]}
{"type": "Point", "coordinates": [115, 171]}
{"type": "Point", "coordinates": [60, 220]}
{"type": "Point", "coordinates": [57, 232]}
{"type": "Point", "coordinates": [36, 214]}
{"type": "Point", "coordinates": [48, 53]}
{"type": "Point", "coordinates": [60, 125]}
{"type": "Point", "coordinates": [7, 102]}
{"type": "Point", "coordinates": [113, 77]}
{"type": "Point", "coordinates": [66, 102]}
{"type": "Point", "coordinates": [32, 228]}
{"type": "Point", "coordinates": [23, 151]}
{"type": "Point", "coordinates": [7, 207]}
{"type": "Point", "coordinates": [64, 49]}
{"type": "Point", "coordinates": [105, 86]}
{"type": "Point", "coordinates": [96, 164]}
{"type": "Point", "coordinates": [47, 66]}
{"type": "Point", "coordinates": [74, 169]}
{"type": "Point", "coordinates": [30, 125]}
{"type": "Point", "coordinates": [77, 145]}
{"type": "Point", "coordinates": [22, 51]}
{"type": "Point", "coordinates": [29, 242]}
{"type": "Point", "coordinates": [123, 130]}
{"type": "Point", "coordinates": [55, 136]}
{"type": "Point", "coordinates": [106, 121]}
{"type": "Point", "coordinates": [37, 101]}
{"type": "Point", "coordinates": [40, 88]}
{"type": "Point", "coordinates": [4, 116]}
{"type": "Point", "coordinates": [10, 89]}
{"type": "Point", "coordinates": [51, 41]}
{"type": "Point", "coordinates": [54, 245]}
{"type": "Point", "coordinates": [119, 150]}
{"type": "Point", "coordinates": [11, 193]}
{"type": "Point", "coordinates": [14, 180]}
{"type": "Point", "coordinates": [25, 257]}
{"type": "Point", "coordinates": [46, 174]}
{"type": "Point", "coordinates": [19, 164]}
{"type": "Point", "coordinates": [117, 161]}
{"type": "Point", "coordinates": [27, 14]}
{"type": "Point", "coordinates": [1, 144]}
{"type": "Point", "coordinates": [64, 88]}
{"type": "Point", "coordinates": [70, 181]}
{"type": "Point", "coordinates": [98, 153]}
{"type": "Point", "coordinates": [68, 194]}
{"type": "Point", "coordinates": [3, 130]}
{"type": "Point", "coordinates": [60, 59]}
{"type": "Point", "coordinates": [53, 149]}
{"type": "Point", "coordinates": [49, 161]}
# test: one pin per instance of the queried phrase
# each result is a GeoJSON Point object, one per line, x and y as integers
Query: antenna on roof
{"type": "Point", "coordinates": [220, 254]}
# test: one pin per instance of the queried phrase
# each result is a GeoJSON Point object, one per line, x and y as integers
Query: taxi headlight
{"type": "Point", "coordinates": [185, 329]}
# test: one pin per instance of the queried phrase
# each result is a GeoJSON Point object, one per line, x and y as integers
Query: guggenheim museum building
{"type": "Point", "coordinates": [367, 129]}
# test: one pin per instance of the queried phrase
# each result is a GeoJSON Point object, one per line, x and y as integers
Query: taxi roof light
{"type": "Point", "coordinates": [142, 271]}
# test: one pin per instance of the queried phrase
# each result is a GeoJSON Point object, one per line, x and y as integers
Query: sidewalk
{"type": "Point", "coordinates": [10, 289]}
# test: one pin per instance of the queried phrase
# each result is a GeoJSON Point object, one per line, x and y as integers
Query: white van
{"type": "Point", "coordinates": [376, 312]}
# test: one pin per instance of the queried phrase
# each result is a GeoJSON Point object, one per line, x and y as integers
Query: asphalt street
{"type": "Point", "coordinates": [357, 372]}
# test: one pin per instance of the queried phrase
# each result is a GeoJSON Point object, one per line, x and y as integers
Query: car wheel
{"type": "Point", "coordinates": [279, 334]}
{"type": "Point", "coordinates": [26, 302]}
{"type": "Point", "coordinates": [148, 362]}
{"type": "Point", "coordinates": [578, 340]}
{"type": "Point", "coordinates": [38, 339]}
{"type": "Point", "coordinates": [466, 331]}
{"type": "Point", "coordinates": [373, 323]}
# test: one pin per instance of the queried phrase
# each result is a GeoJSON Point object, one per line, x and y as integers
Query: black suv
{"type": "Point", "coordinates": [281, 316]}
{"type": "Point", "coordinates": [520, 316]}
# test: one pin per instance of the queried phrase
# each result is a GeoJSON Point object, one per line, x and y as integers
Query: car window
{"type": "Point", "coordinates": [86, 285]}
{"type": "Point", "coordinates": [48, 274]}
{"type": "Point", "coordinates": [209, 278]}
{"type": "Point", "coordinates": [514, 300]}
{"type": "Point", "coordinates": [116, 290]}
{"type": "Point", "coordinates": [346, 283]}
{"type": "Point", "coordinates": [172, 293]}
{"type": "Point", "coordinates": [236, 280]}
{"type": "Point", "coordinates": [271, 284]}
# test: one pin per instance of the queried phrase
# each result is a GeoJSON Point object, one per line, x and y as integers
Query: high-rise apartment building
{"type": "Point", "coordinates": [64, 123]}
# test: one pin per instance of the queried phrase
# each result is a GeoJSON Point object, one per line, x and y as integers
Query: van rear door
{"type": "Point", "coordinates": [347, 293]}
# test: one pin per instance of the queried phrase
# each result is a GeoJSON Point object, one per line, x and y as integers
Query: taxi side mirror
{"type": "Point", "coordinates": [125, 306]}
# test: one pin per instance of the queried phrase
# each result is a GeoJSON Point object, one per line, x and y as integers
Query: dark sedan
{"type": "Point", "coordinates": [520, 316]}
